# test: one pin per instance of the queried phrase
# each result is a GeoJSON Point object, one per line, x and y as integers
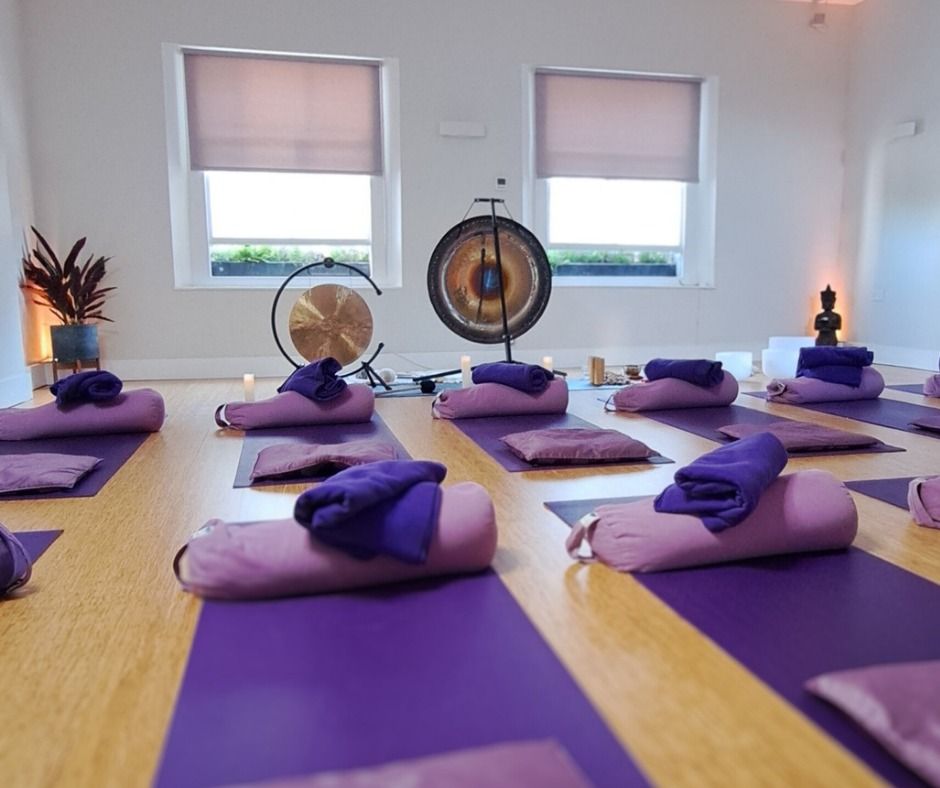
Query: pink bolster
{"type": "Point", "coordinates": [291, 409]}
{"type": "Point", "coordinates": [923, 499]}
{"type": "Point", "coordinates": [797, 391]}
{"type": "Point", "coordinates": [275, 558]}
{"type": "Point", "coordinates": [495, 399]}
{"type": "Point", "coordinates": [668, 393]}
{"type": "Point", "coordinates": [932, 386]}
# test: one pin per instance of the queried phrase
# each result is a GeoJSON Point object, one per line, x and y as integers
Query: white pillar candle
{"type": "Point", "coordinates": [466, 380]}
{"type": "Point", "coordinates": [547, 363]}
{"type": "Point", "coordinates": [248, 380]}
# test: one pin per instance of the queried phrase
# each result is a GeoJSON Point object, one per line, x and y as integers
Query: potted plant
{"type": "Point", "coordinates": [73, 293]}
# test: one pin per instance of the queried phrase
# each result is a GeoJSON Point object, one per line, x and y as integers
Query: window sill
{"type": "Point", "coordinates": [657, 282]}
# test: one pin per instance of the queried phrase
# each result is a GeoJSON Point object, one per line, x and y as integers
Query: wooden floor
{"type": "Point", "coordinates": [93, 649]}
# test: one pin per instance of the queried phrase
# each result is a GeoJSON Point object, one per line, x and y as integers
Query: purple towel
{"type": "Point", "coordinates": [724, 486]}
{"type": "Point", "coordinates": [834, 364]}
{"type": "Point", "coordinates": [15, 566]}
{"type": "Point", "coordinates": [91, 386]}
{"type": "Point", "coordinates": [316, 381]}
{"type": "Point", "coordinates": [700, 372]}
{"type": "Point", "coordinates": [387, 508]}
{"type": "Point", "coordinates": [530, 378]}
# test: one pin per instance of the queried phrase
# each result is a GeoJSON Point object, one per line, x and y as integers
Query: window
{"type": "Point", "coordinates": [621, 177]}
{"type": "Point", "coordinates": [277, 161]}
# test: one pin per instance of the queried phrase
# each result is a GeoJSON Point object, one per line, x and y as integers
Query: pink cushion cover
{"type": "Point", "coordinates": [544, 764]}
{"type": "Point", "coordinates": [805, 390]}
{"type": "Point", "coordinates": [801, 436]}
{"type": "Point", "coordinates": [43, 471]}
{"type": "Point", "coordinates": [297, 460]}
{"type": "Point", "coordinates": [898, 705]}
{"type": "Point", "coordinates": [923, 498]}
{"type": "Point", "coordinates": [547, 447]}
{"type": "Point", "coordinates": [141, 410]}
{"type": "Point", "coordinates": [932, 386]}
{"type": "Point", "coordinates": [929, 423]}
{"type": "Point", "coordinates": [291, 409]}
{"type": "Point", "coordinates": [495, 399]}
{"type": "Point", "coordinates": [276, 558]}
{"type": "Point", "coordinates": [674, 393]}
{"type": "Point", "coordinates": [810, 510]}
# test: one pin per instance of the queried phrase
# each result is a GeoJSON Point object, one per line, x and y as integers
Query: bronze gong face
{"type": "Point", "coordinates": [330, 320]}
{"type": "Point", "coordinates": [463, 279]}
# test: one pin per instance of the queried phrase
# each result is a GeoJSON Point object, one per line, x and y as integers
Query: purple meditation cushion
{"type": "Point", "coordinates": [15, 564]}
{"type": "Point", "coordinates": [929, 423]}
{"type": "Point", "coordinates": [898, 705]}
{"type": "Point", "coordinates": [797, 391]}
{"type": "Point", "coordinates": [800, 512]}
{"type": "Point", "coordinates": [572, 446]}
{"type": "Point", "coordinates": [277, 558]}
{"type": "Point", "coordinates": [932, 386]}
{"type": "Point", "coordinates": [495, 399]}
{"type": "Point", "coordinates": [801, 436]}
{"type": "Point", "coordinates": [525, 764]}
{"type": "Point", "coordinates": [668, 393]}
{"type": "Point", "coordinates": [290, 409]}
{"type": "Point", "coordinates": [923, 499]}
{"type": "Point", "coordinates": [43, 471]}
{"type": "Point", "coordinates": [304, 460]}
{"type": "Point", "coordinates": [141, 410]}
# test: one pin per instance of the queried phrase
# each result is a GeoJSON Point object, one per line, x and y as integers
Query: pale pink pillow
{"type": "Point", "coordinates": [803, 436]}
{"type": "Point", "coordinates": [300, 460]}
{"type": "Point", "coordinates": [667, 393]}
{"type": "Point", "coordinates": [290, 409]}
{"type": "Point", "coordinates": [573, 446]}
{"type": "Point", "coordinates": [43, 471]}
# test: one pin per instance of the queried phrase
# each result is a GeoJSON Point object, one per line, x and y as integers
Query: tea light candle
{"type": "Point", "coordinates": [547, 363]}
{"type": "Point", "coordinates": [248, 380]}
{"type": "Point", "coordinates": [466, 380]}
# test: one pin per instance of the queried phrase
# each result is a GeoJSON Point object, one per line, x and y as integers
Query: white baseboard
{"type": "Point", "coordinates": [15, 389]}
{"type": "Point", "coordinates": [893, 356]}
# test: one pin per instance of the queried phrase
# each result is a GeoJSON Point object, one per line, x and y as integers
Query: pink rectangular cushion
{"type": "Point", "coordinates": [932, 386]}
{"type": "Point", "coordinates": [800, 512]}
{"type": "Point", "coordinates": [276, 558]}
{"type": "Point", "coordinates": [898, 705]}
{"type": "Point", "coordinates": [141, 410]}
{"type": "Point", "coordinates": [668, 393]}
{"type": "Point", "coordinates": [301, 460]}
{"type": "Point", "coordinates": [526, 764]}
{"type": "Point", "coordinates": [553, 446]}
{"type": "Point", "coordinates": [495, 399]}
{"type": "Point", "coordinates": [805, 390]}
{"type": "Point", "coordinates": [290, 409]}
{"type": "Point", "coordinates": [43, 471]}
{"type": "Point", "coordinates": [801, 436]}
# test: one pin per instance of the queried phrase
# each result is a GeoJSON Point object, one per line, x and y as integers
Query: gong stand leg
{"type": "Point", "coordinates": [371, 375]}
{"type": "Point", "coordinates": [499, 273]}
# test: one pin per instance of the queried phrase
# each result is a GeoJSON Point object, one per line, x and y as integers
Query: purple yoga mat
{"type": "Point", "coordinates": [114, 451]}
{"type": "Point", "coordinates": [705, 422]}
{"type": "Point", "coordinates": [300, 686]}
{"type": "Point", "coordinates": [36, 542]}
{"type": "Point", "coordinates": [256, 440]}
{"type": "Point", "coordinates": [789, 618]}
{"type": "Point", "coordinates": [486, 433]}
{"type": "Point", "coordinates": [910, 388]}
{"type": "Point", "coordinates": [893, 491]}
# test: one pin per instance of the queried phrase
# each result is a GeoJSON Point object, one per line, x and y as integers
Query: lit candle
{"type": "Point", "coordinates": [465, 377]}
{"type": "Point", "coordinates": [249, 383]}
{"type": "Point", "coordinates": [547, 363]}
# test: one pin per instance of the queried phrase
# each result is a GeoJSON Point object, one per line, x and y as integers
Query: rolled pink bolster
{"type": "Point", "coordinates": [923, 499]}
{"type": "Point", "coordinates": [801, 512]}
{"type": "Point", "coordinates": [668, 393]}
{"type": "Point", "coordinates": [495, 399]}
{"type": "Point", "coordinates": [797, 391]}
{"type": "Point", "coordinates": [932, 386]}
{"type": "Point", "coordinates": [290, 409]}
{"type": "Point", "coordinates": [140, 410]}
{"type": "Point", "coordinates": [276, 558]}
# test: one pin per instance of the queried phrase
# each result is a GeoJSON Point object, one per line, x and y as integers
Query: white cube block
{"type": "Point", "coordinates": [738, 363]}
{"type": "Point", "coordinates": [777, 363]}
{"type": "Point", "coordinates": [790, 343]}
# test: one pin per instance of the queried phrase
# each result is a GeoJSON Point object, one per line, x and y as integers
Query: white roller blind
{"type": "Point", "coordinates": [278, 113]}
{"type": "Point", "coordinates": [614, 126]}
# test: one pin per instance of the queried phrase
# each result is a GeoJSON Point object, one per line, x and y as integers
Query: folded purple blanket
{"type": "Point", "coordinates": [140, 410]}
{"type": "Point", "coordinates": [91, 386]}
{"type": "Point", "coordinates": [317, 380]}
{"type": "Point", "coordinates": [803, 436]}
{"type": "Point", "coordinates": [800, 512]}
{"type": "Point", "coordinates": [841, 365]}
{"type": "Point", "coordinates": [723, 487]}
{"type": "Point", "coordinates": [798, 391]}
{"type": "Point", "coordinates": [923, 499]}
{"type": "Point", "coordinates": [385, 508]}
{"type": "Point", "coordinates": [495, 399]}
{"type": "Point", "coordinates": [305, 460]}
{"type": "Point", "coordinates": [932, 386]}
{"type": "Point", "coordinates": [530, 378]}
{"type": "Point", "coordinates": [898, 705]}
{"type": "Point", "coordinates": [674, 393]}
{"type": "Point", "coordinates": [290, 409]}
{"type": "Point", "coordinates": [21, 473]}
{"type": "Point", "coordinates": [700, 372]}
{"type": "Point", "coordinates": [277, 558]}
{"type": "Point", "coordinates": [15, 566]}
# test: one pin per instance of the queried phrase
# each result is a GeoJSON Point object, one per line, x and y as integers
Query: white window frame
{"type": "Point", "coordinates": [698, 249]}
{"type": "Point", "coordinates": [189, 218]}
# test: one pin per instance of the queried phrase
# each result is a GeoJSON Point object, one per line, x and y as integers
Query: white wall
{"type": "Point", "coordinates": [15, 383]}
{"type": "Point", "coordinates": [99, 159]}
{"type": "Point", "coordinates": [892, 210]}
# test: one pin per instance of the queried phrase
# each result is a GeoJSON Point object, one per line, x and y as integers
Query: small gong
{"type": "Point", "coordinates": [330, 320]}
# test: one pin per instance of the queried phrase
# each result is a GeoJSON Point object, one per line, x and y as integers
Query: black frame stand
{"type": "Point", "coordinates": [364, 366]}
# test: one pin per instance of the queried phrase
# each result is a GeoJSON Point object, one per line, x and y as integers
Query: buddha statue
{"type": "Point", "coordinates": [827, 322]}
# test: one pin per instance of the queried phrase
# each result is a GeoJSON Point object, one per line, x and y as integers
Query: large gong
{"type": "Point", "coordinates": [464, 285]}
{"type": "Point", "coordinates": [331, 320]}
